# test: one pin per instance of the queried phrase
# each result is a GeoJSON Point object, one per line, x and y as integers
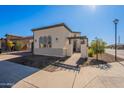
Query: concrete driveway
{"type": "Point", "coordinates": [11, 73]}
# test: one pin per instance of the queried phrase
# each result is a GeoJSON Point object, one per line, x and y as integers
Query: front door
{"type": "Point", "coordinates": [74, 46]}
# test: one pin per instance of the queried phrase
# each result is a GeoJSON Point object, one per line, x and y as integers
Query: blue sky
{"type": "Point", "coordinates": [92, 21]}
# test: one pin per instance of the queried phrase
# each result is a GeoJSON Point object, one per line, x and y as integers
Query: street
{"type": "Point", "coordinates": [120, 53]}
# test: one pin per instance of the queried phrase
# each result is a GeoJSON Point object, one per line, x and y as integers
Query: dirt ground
{"type": "Point", "coordinates": [37, 61]}
{"type": "Point", "coordinates": [102, 59]}
{"type": "Point", "coordinates": [47, 62]}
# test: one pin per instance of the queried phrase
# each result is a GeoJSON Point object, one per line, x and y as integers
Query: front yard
{"type": "Point", "coordinates": [102, 59]}
{"type": "Point", "coordinates": [88, 70]}
{"type": "Point", "coordinates": [49, 63]}
{"type": "Point", "coordinates": [38, 61]}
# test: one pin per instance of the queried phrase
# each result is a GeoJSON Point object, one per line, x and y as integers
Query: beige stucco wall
{"type": "Point", "coordinates": [84, 50]}
{"type": "Point", "coordinates": [75, 34]}
{"type": "Point", "coordinates": [70, 48]}
{"type": "Point", "coordinates": [58, 52]}
{"type": "Point", "coordinates": [59, 47]}
{"type": "Point", "coordinates": [57, 32]}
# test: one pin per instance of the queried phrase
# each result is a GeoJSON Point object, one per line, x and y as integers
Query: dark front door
{"type": "Point", "coordinates": [74, 46]}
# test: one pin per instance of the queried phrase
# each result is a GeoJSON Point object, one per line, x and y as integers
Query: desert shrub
{"type": "Point", "coordinates": [9, 45]}
{"type": "Point", "coordinates": [18, 46]}
{"type": "Point", "coordinates": [98, 46]}
{"type": "Point", "coordinates": [90, 52]}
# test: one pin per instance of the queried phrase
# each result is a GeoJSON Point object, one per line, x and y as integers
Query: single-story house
{"type": "Point", "coordinates": [58, 40]}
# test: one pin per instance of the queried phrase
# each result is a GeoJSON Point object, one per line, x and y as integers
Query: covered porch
{"type": "Point", "coordinates": [78, 45]}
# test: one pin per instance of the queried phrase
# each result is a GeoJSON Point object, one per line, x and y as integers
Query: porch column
{"type": "Point", "coordinates": [84, 48]}
{"type": "Point", "coordinates": [70, 47]}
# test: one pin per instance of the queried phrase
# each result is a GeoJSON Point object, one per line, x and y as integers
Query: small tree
{"type": "Point", "coordinates": [10, 45]}
{"type": "Point", "coordinates": [98, 47]}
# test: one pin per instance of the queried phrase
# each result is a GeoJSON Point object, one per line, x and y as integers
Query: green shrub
{"type": "Point", "coordinates": [18, 46]}
{"type": "Point", "coordinates": [90, 52]}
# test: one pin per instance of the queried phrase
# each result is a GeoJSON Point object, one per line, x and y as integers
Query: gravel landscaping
{"type": "Point", "coordinates": [47, 63]}
{"type": "Point", "coordinates": [102, 59]}
{"type": "Point", "coordinates": [37, 61]}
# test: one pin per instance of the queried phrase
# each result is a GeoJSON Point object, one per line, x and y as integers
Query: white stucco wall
{"type": "Point", "coordinates": [59, 47]}
{"type": "Point", "coordinates": [57, 32]}
{"type": "Point", "coordinates": [75, 34]}
{"type": "Point", "coordinates": [58, 52]}
{"type": "Point", "coordinates": [70, 48]}
{"type": "Point", "coordinates": [84, 50]}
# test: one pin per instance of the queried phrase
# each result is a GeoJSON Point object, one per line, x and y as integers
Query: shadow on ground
{"type": "Point", "coordinates": [100, 64]}
{"type": "Point", "coordinates": [11, 73]}
{"type": "Point", "coordinates": [71, 67]}
{"type": "Point", "coordinates": [37, 61]}
{"type": "Point", "coordinates": [81, 61]}
{"type": "Point", "coordinates": [66, 66]}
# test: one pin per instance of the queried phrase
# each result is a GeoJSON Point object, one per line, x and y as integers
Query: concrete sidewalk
{"type": "Point", "coordinates": [91, 76]}
{"type": "Point", "coordinates": [73, 59]}
{"type": "Point", "coordinates": [44, 79]}
{"type": "Point", "coordinates": [94, 77]}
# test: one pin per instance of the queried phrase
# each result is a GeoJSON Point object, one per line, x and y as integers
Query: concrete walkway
{"type": "Point", "coordinates": [73, 59]}
{"type": "Point", "coordinates": [46, 79]}
{"type": "Point", "coordinates": [11, 73]}
{"type": "Point", "coordinates": [94, 77]}
{"type": "Point", "coordinates": [91, 76]}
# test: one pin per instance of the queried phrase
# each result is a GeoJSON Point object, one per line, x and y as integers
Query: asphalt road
{"type": "Point", "coordinates": [120, 53]}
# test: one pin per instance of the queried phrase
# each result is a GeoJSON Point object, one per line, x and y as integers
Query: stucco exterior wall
{"type": "Point", "coordinates": [60, 33]}
{"type": "Point", "coordinates": [58, 52]}
{"type": "Point", "coordinates": [70, 48]}
{"type": "Point", "coordinates": [75, 34]}
{"type": "Point", "coordinates": [84, 50]}
{"type": "Point", "coordinates": [59, 41]}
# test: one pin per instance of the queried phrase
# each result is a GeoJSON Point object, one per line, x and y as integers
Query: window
{"type": "Point", "coordinates": [41, 42]}
{"type": "Point", "coordinates": [45, 41]}
{"type": "Point", "coordinates": [49, 41]}
{"type": "Point", "coordinates": [83, 41]}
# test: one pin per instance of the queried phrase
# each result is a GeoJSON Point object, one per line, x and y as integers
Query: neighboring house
{"type": "Point", "coordinates": [25, 42]}
{"type": "Point", "coordinates": [3, 44]}
{"type": "Point", "coordinates": [59, 40]}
